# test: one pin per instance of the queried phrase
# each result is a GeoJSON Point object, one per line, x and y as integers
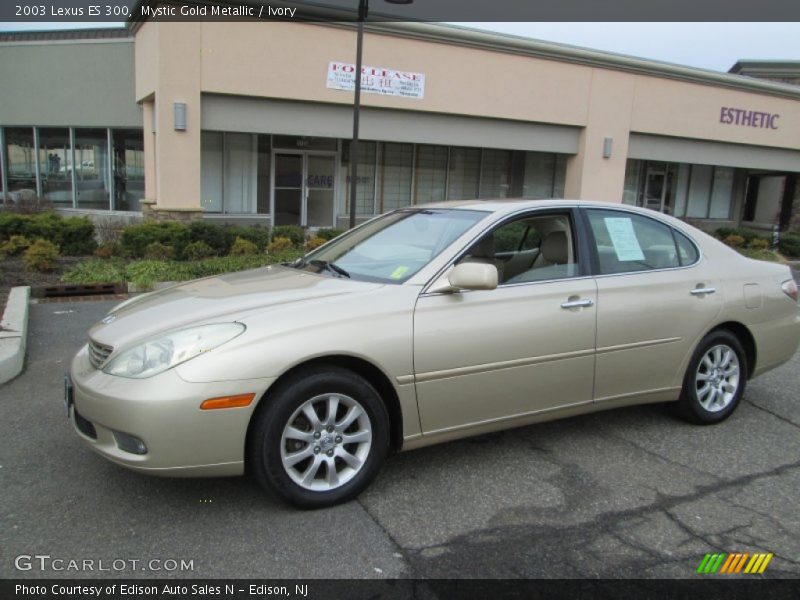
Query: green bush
{"type": "Point", "coordinates": [14, 245]}
{"type": "Point", "coordinates": [758, 243]}
{"type": "Point", "coordinates": [214, 236]}
{"type": "Point", "coordinates": [257, 235]}
{"type": "Point", "coordinates": [759, 254]}
{"type": "Point", "coordinates": [41, 256]}
{"type": "Point", "coordinates": [146, 273]}
{"type": "Point", "coordinates": [242, 247]}
{"type": "Point", "coordinates": [293, 233]}
{"type": "Point", "coordinates": [159, 251]}
{"type": "Point", "coordinates": [748, 235]}
{"type": "Point", "coordinates": [198, 250]}
{"type": "Point", "coordinates": [74, 235]}
{"type": "Point", "coordinates": [790, 245]}
{"type": "Point", "coordinates": [328, 234]}
{"type": "Point", "coordinates": [136, 238]}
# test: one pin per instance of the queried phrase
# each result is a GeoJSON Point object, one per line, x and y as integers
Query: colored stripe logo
{"type": "Point", "coordinates": [734, 563]}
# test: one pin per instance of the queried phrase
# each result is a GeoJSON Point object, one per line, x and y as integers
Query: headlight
{"type": "Point", "coordinates": [159, 354]}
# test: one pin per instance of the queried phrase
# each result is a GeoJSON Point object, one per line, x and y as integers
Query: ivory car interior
{"type": "Point", "coordinates": [423, 325]}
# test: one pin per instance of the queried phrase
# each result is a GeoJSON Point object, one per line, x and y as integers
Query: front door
{"type": "Point", "coordinates": [303, 191]}
{"type": "Point", "coordinates": [526, 347]}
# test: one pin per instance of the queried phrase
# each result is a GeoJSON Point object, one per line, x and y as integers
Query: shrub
{"type": "Point", "coordinates": [734, 241]}
{"type": "Point", "coordinates": [746, 234]}
{"type": "Point", "coordinates": [242, 246]}
{"type": "Point", "coordinates": [106, 250]}
{"type": "Point", "coordinates": [293, 233]}
{"type": "Point", "coordinates": [214, 236]}
{"type": "Point", "coordinates": [41, 256]}
{"type": "Point", "coordinates": [315, 242]}
{"type": "Point", "coordinates": [198, 250]}
{"type": "Point", "coordinates": [257, 235]}
{"type": "Point", "coordinates": [760, 254]}
{"type": "Point", "coordinates": [758, 243]}
{"type": "Point", "coordinates": [328, 234]}
{"type": "Point", "coordinates": [136, 238]}
{"type": "Point", "coordinates": [145, 273]}
{"type": "Point", "coordinates": [15, 245]}
{"type": "Point", "coordinates": [159, 251]}
{"type": "Point", "coordinates": [279, 244]}
{"type": "Point", "coordinates": [75, 235]}
{"type": "Point", "coordinates": [790, 245]}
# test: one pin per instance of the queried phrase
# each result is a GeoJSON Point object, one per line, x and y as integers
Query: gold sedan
{"type": "Point", "coordinates": [424, 325]}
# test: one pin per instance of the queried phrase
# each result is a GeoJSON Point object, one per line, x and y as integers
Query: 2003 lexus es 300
{"type": "Point", "coordinates": [424, 325]}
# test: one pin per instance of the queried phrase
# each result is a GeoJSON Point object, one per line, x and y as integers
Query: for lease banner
{"type": "Point", "coordinates": [376, 80]}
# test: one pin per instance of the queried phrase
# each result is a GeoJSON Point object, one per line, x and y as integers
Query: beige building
{"type": "Point", "coordinates": [250, 121]}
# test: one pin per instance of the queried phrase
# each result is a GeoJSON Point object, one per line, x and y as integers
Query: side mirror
{"type": "Point", "coordinates": [468, 276]}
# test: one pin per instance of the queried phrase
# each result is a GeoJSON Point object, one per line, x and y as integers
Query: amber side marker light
{"type": "Point", "coordinates": [239, 401]}
{"type": "Point", "coordinates": [790, 289]}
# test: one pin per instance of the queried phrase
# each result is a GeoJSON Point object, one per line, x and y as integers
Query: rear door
{"type": "Point", "coordinates": [655, 298]}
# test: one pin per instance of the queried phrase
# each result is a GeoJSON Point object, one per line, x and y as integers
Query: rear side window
{"type": "Point", "coordinates": [628, 242]}
{"type": "Point", "coordinates": [687, 251]}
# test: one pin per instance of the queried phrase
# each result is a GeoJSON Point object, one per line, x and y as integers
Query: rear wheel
{"type": "Point", "coordinates": [715, 379]}
{"type": "Point", "coordinates": [321, 438]}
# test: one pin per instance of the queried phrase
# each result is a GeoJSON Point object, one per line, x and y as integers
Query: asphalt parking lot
{"type": "Point", "coordinates": [625, 493]}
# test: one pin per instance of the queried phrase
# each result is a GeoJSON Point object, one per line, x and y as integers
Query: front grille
{"type": "Point", "coordinates": [85, 426]}
{"type": "Point", "coordinates": [98, 353]}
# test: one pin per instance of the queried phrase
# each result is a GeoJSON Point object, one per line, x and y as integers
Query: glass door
{"type": "Point", "coordinates": [655, 188]}
{"type": "Point", "coordinates": [304, 188]}
{"type": "Point", "coordinates": [320, 188]}
{"type": "Point", "coordinates": [288, 189]}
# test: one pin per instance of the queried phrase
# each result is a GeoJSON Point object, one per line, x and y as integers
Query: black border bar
{"type": "Point", "coordinates": [99, 11]}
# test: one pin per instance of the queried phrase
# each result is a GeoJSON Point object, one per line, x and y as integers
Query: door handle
{"type": "Point", "coordinates": [700, 291]}
{"type": "Point", "coordinates": [577, 303]}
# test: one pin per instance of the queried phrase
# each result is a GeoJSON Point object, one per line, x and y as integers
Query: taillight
{"type": "Point", "coordinates": [790, 289]}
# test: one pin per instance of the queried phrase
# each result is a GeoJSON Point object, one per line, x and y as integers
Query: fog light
{"type": "Point", "coordinates": [129, 443]}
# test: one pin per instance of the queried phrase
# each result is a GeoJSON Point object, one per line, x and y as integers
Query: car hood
{"type": "Point", "coordinates": [222, 298]}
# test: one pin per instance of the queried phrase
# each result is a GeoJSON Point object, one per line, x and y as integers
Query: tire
{"type": "Point", "coordinates": [715, 379]}
{"type": "Point", "coordinates": [300, 455]}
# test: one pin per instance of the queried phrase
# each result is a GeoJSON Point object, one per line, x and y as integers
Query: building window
{"type": "Point", "coordinates": [495, 174]}
{"type": "Point", "coordinates": [20, 159]}
{"type": "Point", "coordinates": [211, 168]}
{"type": "Point", "coordinates": [463, 173]}
{"type": "Point", "coordinates": [365, 188]}
{"type": "Point", "coordinates": [539, 178]}
{"type": "Point", "coordinates": [128, 164]}
{"type": "Point", "coordinates": [396, 166]}
{"type": "Point", "coordinates": [683, 190]}
{"type": "Point", "coordinates": [55, 166]}
{"type": "Point", "coordinates": [91, 169]}
{"type": "Point", "coordinates": [430, 174]}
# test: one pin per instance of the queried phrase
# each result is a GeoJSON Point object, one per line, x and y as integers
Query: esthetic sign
{"type": "Point", "coordinates": [377, 80]}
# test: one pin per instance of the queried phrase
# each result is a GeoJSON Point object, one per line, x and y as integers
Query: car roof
{"type": "Point", "coordinates": [505, 205]}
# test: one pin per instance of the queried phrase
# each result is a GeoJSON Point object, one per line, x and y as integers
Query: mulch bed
{"type": "Point", "coordinates": [14, 273]}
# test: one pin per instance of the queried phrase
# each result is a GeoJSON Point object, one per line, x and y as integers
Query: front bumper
{"type": "Point", "coordinates": [164, 412]}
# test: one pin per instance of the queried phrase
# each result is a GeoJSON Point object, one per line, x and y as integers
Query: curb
{"type": "Point", "coordinates": [14, 333]}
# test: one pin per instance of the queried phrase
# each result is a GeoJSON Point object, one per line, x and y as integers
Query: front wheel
{"type": "Point", "coordinates": [321, 438]}
{"type": "Point", "coordinates": [715, 379]}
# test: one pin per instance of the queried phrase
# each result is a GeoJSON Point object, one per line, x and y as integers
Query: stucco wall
{"type": "Point", "coordinates": [67, 83]}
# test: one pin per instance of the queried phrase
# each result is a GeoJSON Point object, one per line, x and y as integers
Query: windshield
{"type": "Point", "coordinates": [392, 248]}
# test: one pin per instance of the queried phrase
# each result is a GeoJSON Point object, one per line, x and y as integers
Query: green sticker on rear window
{"type": "Point", "coordinates": [398, 272]}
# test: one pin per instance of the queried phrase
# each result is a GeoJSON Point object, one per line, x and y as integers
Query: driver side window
{"type": "Point", "coordinates": [529, 249]}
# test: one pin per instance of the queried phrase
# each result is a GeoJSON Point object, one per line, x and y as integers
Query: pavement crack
{"type": "Point", "coordinates": [774, 414]}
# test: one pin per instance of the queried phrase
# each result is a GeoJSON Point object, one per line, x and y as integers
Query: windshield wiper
{"type": "Point", "coordinates": [329, 266]}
